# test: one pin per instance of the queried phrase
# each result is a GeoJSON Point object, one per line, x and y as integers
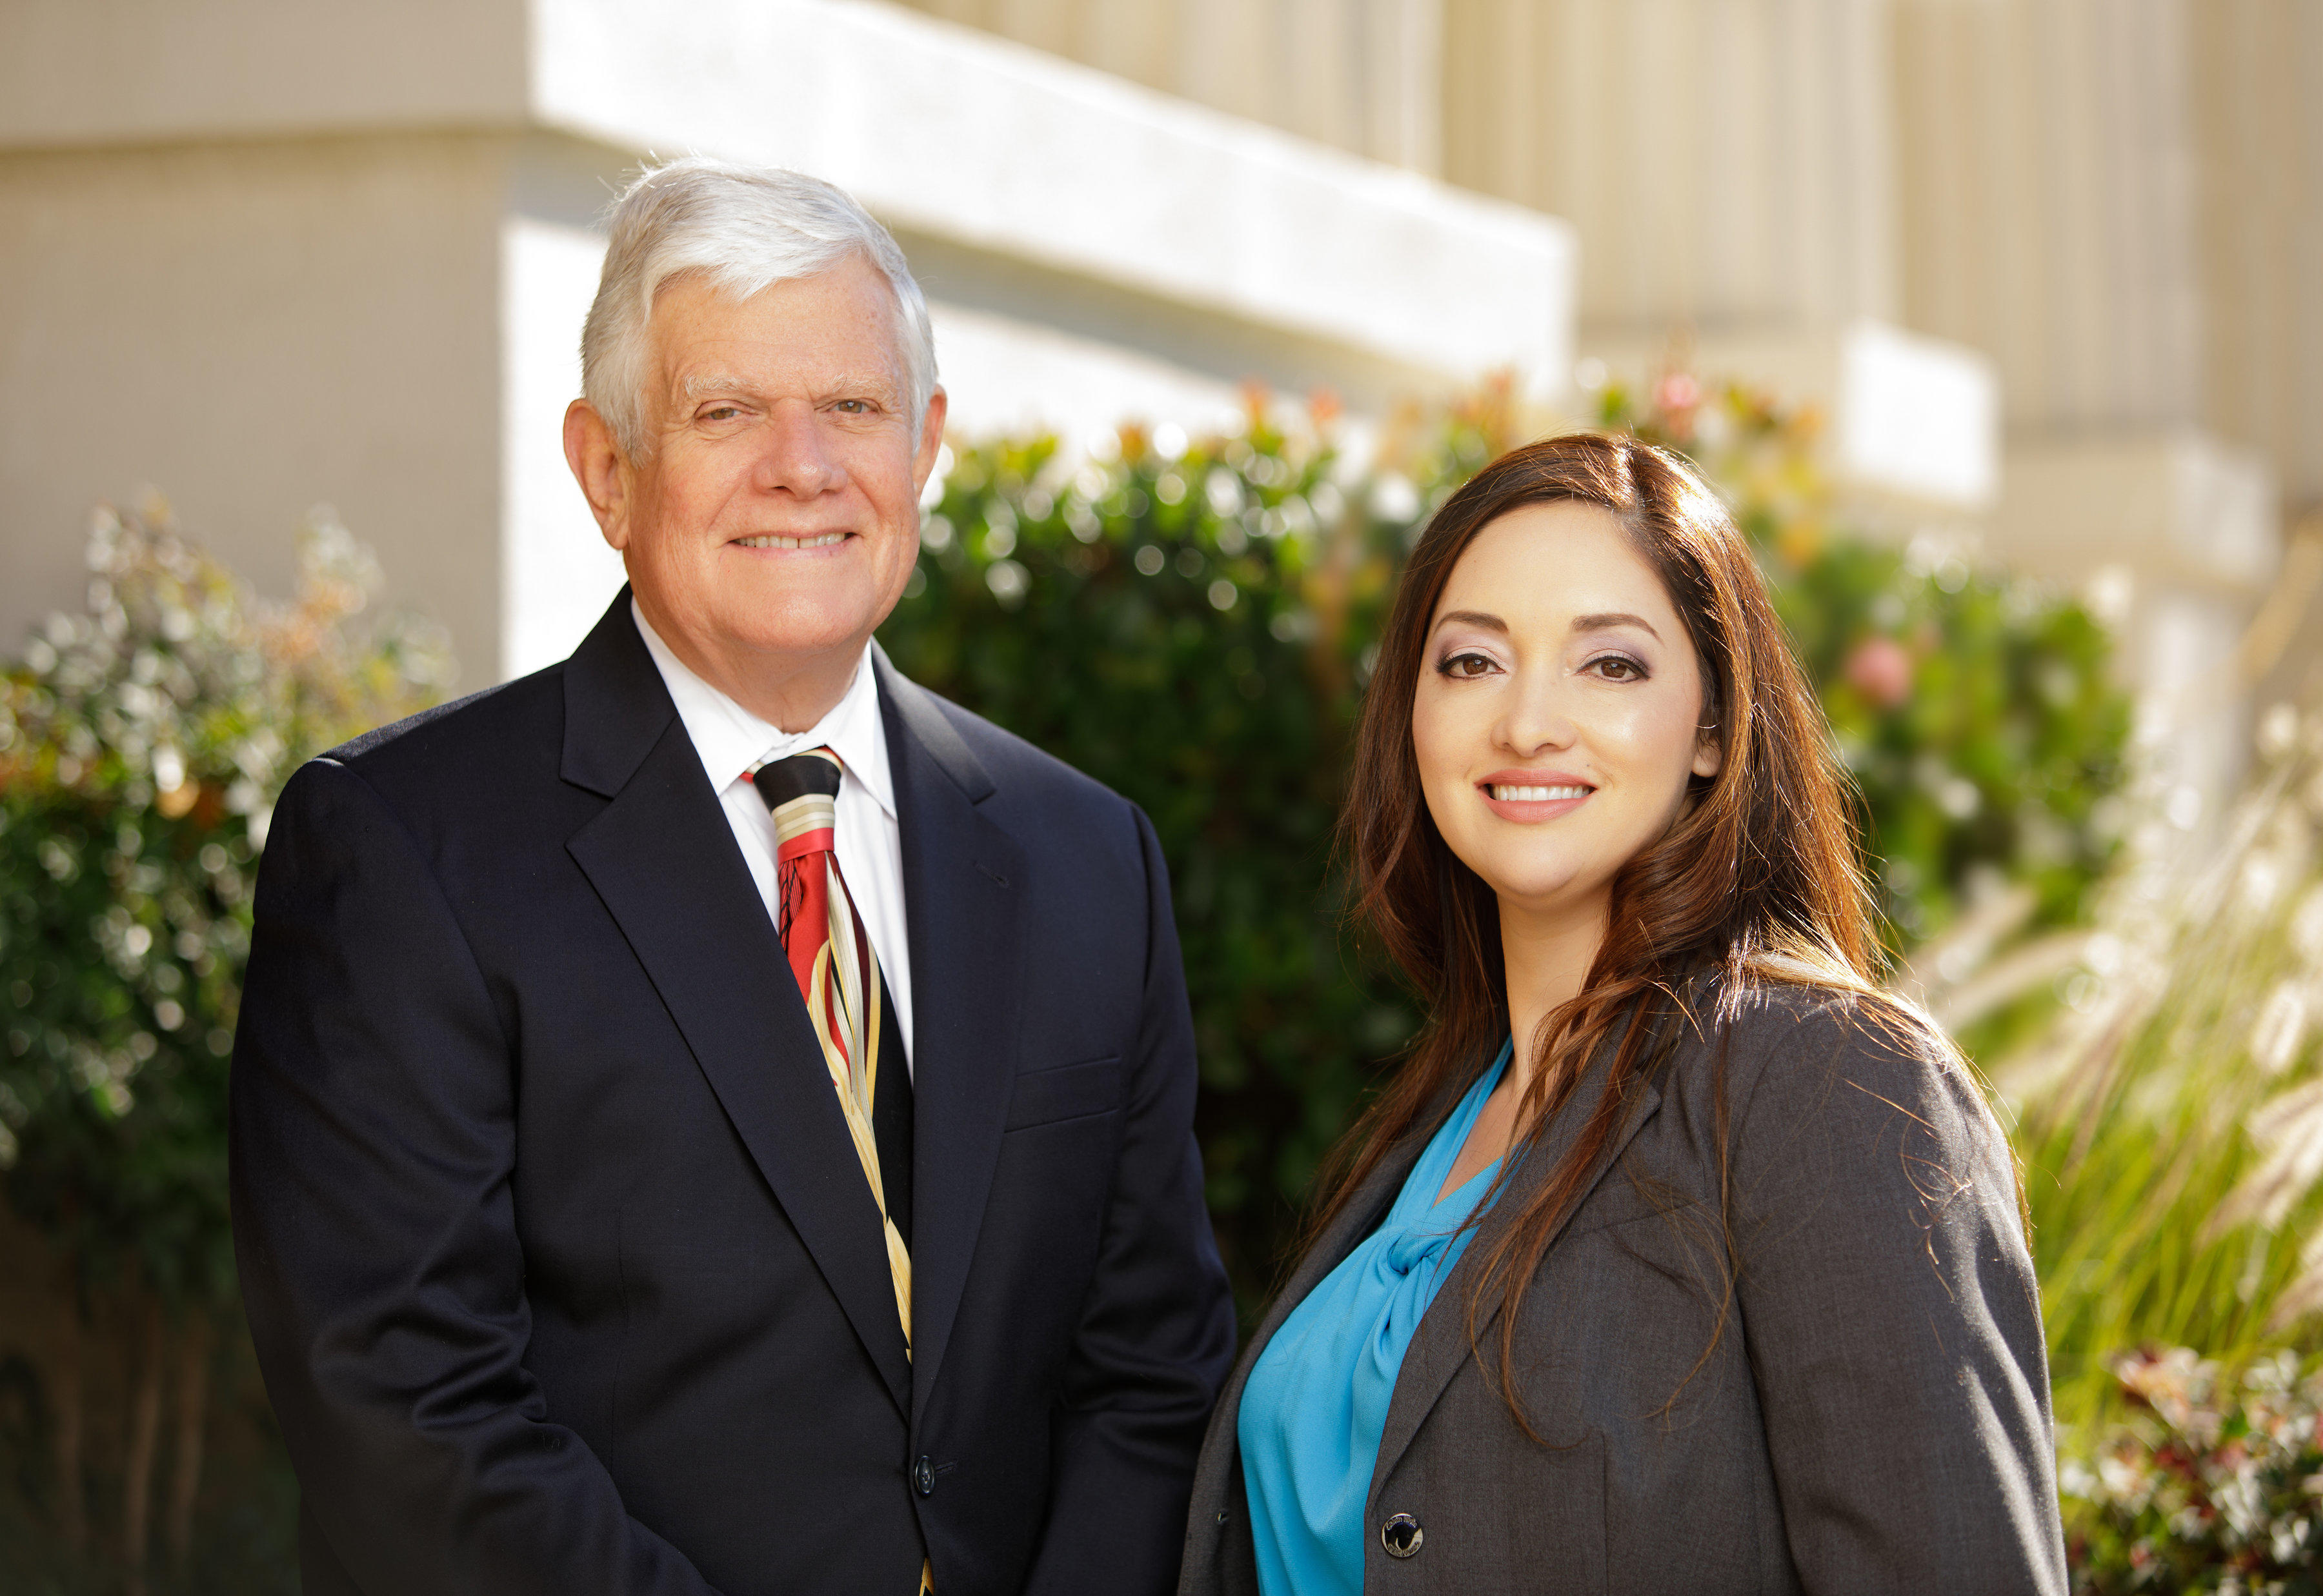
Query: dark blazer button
{"type": "Point", "coordinates": [1401, 1536]}
{"type": "Point", "coordinates": [923, 1475]}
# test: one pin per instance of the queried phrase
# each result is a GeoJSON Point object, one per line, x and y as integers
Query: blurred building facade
{"type": "Point", "coordinates": [264, 253]}
{"type": "Point", "coordinates": [2047, 264]}
{"type": "Point", "coordinates": [2115, 208]}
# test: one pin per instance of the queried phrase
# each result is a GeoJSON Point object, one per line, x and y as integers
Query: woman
{"type": "Point", "coordinates": [1676, 1257]}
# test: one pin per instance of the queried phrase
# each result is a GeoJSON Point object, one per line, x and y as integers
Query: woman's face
{"type": "Point", "coordinates": [1557, 712]}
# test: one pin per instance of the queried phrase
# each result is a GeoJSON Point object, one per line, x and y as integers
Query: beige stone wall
{"type": "Point", "coordinates": [254, 328]}
{"type": "Point", "coordinates": [2120, 201]}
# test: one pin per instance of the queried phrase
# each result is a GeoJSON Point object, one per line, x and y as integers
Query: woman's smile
{"type": "Point", "coordinates": [1529, 797]}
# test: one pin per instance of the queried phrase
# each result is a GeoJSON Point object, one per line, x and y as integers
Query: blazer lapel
{"type": "Point", "coordinates": [662, 857]}
{"type": "Point", "coordinates": [1442, 1343]}
{"type": "Point", "coordinates": [1353, 1221]}
{"type": "Point", "coordinates": [964, 881]}
{"type": "Point", "coordinates": [1351, 1225]}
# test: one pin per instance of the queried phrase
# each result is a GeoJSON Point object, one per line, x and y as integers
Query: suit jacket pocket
{"type": "Point", "coordinates": [1067, 1091]}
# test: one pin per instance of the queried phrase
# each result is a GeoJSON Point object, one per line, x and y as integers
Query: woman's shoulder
{"type": "Point", "coordinates": [1780, 1006]}
{"type": "Point", "coordinates": [1788, 1043]}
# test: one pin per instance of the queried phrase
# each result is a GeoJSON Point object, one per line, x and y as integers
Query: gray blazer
{"type": "Point", "coordinates": [1874, 1415]}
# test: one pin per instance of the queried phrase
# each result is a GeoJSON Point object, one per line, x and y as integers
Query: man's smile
{"type": "Point", "coordinates": [812, 540]}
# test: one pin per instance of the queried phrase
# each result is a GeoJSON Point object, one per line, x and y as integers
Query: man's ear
{"type": "Point", "coordinates": [601, 468]}
{"type": "Point", "coordinates": [932, 426]}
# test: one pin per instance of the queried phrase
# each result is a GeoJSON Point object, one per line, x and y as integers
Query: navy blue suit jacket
{"type": "Point", "coordinates": [563, 1273]}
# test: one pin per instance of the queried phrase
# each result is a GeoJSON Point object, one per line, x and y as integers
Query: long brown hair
{"type": "Point", "coordinates": [1757, 880]}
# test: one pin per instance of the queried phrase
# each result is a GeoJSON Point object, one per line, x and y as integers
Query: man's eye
{"type": "Point", "coordinates": [854, 407]}
{"type": "Point", "coordinates": [721, 413]}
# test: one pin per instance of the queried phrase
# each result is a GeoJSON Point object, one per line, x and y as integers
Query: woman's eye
{"type": "Point", "coordinates": [1465, 666]}
{"type": "Point", "coordinates": [1614, 668]}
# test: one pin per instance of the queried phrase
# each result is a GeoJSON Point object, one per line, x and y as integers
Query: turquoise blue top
{"type": "Point", "coordinates": [1317, 1399]}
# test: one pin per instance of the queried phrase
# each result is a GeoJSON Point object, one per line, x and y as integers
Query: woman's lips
{"type": "Point", "coordinates": [1530, 796]}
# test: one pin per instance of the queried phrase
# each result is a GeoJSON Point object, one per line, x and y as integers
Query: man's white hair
{"type": "Point", "coordinates": [744, 228]}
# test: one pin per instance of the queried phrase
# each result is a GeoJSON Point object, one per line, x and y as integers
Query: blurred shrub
{"type": "Point", "coordinates": [2171, 1117]}
{"type": "Point", "coordinates": [1185, 622]}
{"type": "Point", "coordinates": [2210, 1485]}
{"type": "Point", "coordinates": [141, 747]}
{"type": "Point", "coordinates": [1190, 620]}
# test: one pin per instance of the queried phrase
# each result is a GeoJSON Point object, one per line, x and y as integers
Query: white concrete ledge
{"type": "Point", "coordinates": [944, 129]}
{"type": "Point", "coordinates": [936, 127]}
{"type": "Point", "coordinates": [2180, 508]}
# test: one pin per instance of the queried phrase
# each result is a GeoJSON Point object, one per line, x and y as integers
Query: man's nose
{"type": "Point", "coordinates": [796, 458]}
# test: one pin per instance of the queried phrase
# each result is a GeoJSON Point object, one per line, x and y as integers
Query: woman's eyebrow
{"type": "Point", "coordinates": [1605, 622]}
{"type": "Point", "coordinates": [1476, 618]}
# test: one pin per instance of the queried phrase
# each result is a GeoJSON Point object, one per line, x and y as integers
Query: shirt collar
{"type": "Point", "coordinates": [730, 740]}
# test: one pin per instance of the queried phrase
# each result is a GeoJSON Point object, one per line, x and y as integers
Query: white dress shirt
{"type": "Point", "coordinates": [870, 845]}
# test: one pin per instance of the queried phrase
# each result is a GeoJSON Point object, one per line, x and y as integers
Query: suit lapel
{"type": "Point", "coordinates": [662, 857]}
{"type": "Point", "coordinates": [1442, 1343]}
{"type": "Point", "coordinates": [964, 884]}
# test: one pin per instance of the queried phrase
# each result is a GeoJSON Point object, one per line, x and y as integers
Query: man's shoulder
{"type": "Point", "coordinates": [485, 713]}
{"type": "Point", "coordinates": [494, 737]}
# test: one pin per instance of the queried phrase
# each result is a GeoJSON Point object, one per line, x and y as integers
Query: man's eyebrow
{"type": "Point", "coordinates": [1612, 619]}
{"type": "Point", "coordinates": [847, 385]}
{"type": "Point", "coordinates": [1476, 618]}
{"type": "Point", "coordinates": [702, 382]}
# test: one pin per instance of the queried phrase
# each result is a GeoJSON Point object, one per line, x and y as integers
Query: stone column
{"type": "Point", "coordinates": [2257, 110]}
{"type": "Point", "coordinates": [1359, 75]}
{"type": "Point", "coordinates": [2051, 152]}
{"type": "Point", "coordinates": [1726, 160]}
{"type": "Point", "coordinates": [2048, 214]}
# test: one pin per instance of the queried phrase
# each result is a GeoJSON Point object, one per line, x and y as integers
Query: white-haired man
{"type": "Point", "coordinates": [712, 1115]}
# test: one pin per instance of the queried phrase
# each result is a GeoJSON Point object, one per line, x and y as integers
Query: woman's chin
{"type": "Point", "coordinates": [1551, 897]}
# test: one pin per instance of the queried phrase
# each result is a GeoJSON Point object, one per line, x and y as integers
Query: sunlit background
{"type": "Point", "coordinates": [1999, 321]}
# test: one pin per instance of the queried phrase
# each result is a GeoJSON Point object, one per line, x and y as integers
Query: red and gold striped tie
{"type": "Point", "coordinates": [837, 972]}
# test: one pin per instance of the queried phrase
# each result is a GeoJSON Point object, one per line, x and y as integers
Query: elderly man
{"type": "Point", "coordinates": [713, 1116]}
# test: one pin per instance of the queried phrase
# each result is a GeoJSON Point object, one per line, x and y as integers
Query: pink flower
{"type": "Point", "coordinates": [1881, 670]}
{"type": "Point", "coordinates": [1679, 394]}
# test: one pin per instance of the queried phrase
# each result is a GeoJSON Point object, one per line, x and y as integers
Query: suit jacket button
{"type": "Point", "coordinates": [1401, 1536]}
{"type": "Point", "coordinates": [923, 1475]}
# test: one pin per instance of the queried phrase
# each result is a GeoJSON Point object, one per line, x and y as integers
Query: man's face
{"type": "Point", "coordinates": [776, 521]}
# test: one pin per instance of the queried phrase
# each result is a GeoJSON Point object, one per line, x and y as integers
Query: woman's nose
{"type": "Point", "coordinates": [1536, 719]}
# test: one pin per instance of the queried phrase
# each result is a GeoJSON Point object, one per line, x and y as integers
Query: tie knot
{"type": "Point", "coordinates": [813, 774]}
